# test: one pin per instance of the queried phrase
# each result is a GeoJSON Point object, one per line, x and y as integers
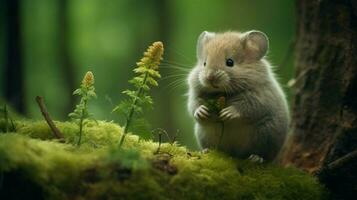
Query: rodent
{"type": "Point", "coordinates": [256, 114]}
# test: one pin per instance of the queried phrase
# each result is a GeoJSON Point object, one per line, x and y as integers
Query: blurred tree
{"type": "Point", "coordinates": [14, 80]}
{"type": "Point", "coordinates": [163, 14]}
{"type": "Point", "coordinates": [64, 51]}
{"type": "Point", "coordinates": [325, 105]}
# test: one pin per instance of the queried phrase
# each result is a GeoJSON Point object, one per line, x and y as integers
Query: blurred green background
{"type": "Point", "coordinates": [59, 40]}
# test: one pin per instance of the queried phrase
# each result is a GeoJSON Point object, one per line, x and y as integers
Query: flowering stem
{"type": "Point", "coordinates": [81, 123]}
{"type": "Point", "coordinates": [132, 109]}
{"type": "Point", "coordinates": [222, 131]}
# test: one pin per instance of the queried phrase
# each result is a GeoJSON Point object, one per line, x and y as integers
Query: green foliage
{"type": "Point", "coordinates": [215, 105]}
{"type": "Point", "coordinates": [139, 98]}
{"type": "Point", "coordinates": [105, 171]}
{"type": "Point", "coordinates": [80, 113]}
{"type": "Point", "coordinates": [126, 158]}
{"type": "Point", "coordinates": [9, 123]}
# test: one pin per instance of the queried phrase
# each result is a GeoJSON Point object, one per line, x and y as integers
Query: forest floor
{"type": "Point", "coordinates": [41, 167]}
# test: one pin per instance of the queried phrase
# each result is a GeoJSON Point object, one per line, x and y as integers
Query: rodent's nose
{"type": "Point", "coordinates": [211, 77]}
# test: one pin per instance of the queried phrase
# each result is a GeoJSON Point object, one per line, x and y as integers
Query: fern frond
{"type": "Point", "coordinates": [147, 71]}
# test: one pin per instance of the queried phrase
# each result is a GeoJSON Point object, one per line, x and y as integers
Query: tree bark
{"type": "Point", "coordinates": [14, 80]}
{"type": "Point", "coordinates": [163, 32]}
{"type": "Point", "coordinates": [68, 69]}
{"type": "Point", "coordinates": [324, 126]}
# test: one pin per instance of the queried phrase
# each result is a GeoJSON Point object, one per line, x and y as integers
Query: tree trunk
{"type": "Point", "coordinates": [324, 126]}
{"type": "Point", "coordinates": [68, 69]}
{"type": "Point", "coordinates": [14, 80]}
{"type": "Point", "coordinates": [163, 11]}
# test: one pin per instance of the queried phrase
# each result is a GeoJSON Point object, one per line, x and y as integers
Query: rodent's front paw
{"type": "Point", "coordinates": [201, 112]}
{"type": "Point", "coordinates": [228, 113]}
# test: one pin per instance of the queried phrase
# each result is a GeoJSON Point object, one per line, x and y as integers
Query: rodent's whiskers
{"type": "Point", "coordinates": [174, 67]}
{"type": "Point", "coordinates": [173, 76]}
{"type": "Point", "coordinates": [175, 84]}
{"type": "Point", "coordinates": [171, 50]}
{"type": "Point", "coordinates": [176, 73]}
{"type": "Point", "coordinates": [175, 63]}
{"type": "Point", "coordinates": [175, 80]}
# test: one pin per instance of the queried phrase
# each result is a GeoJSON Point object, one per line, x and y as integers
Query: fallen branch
{"type": "Point", "coordinates": [56, 132]}
{"type": "Point", "coordinates": [342, 161]}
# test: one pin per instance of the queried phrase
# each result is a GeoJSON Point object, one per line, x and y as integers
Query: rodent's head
{"type": "Point", "coordinates": [230, 61]}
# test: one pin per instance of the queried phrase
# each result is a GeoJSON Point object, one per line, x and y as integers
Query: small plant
{"type": "Point", "coordinates": [160, 132]}
{"type": "Point", "coordinates": [86, 92]}
{"type": "Point", "coordinates": [215, 106]}
{"type": "Point", "coordinates": [7, 120]}
{"type": "Point", "coordinates": [147, 73]}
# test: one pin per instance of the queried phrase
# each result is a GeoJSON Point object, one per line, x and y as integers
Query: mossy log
{"type": "Point", "coordinates": [34, 165]}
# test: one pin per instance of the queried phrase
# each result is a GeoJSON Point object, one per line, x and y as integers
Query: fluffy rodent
{"type": "Point", "coordinates": [255, 117]}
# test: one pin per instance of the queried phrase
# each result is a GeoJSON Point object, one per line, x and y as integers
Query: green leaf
{"type": "Point", "coordinates": [77, 92]}
{"type": "Point", "coordinates": [73, 115]}
{"type": "Point", "coordinates": [92, 94]}
{"type": "Point", "coordinates": [140, 70]}
{"type": "Point", "coordinates": [130, 93]}
{"type": "Point", "coordinates": [153, 73]}
{"type": "Point", "coordinates": [152, 81]}
{"type": "Point", "coordinates": [123, 107]}
{"type": "Point", "coordinates": [141, 127]}
{"type": "Point", "coordinates": [137, 109]}
{"type": "Point", "coordinates": [146, 87]}
{"type": "Point", "coordinates": [137, 81]}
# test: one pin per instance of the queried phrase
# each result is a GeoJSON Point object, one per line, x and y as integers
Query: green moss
{"type": "Point", "coordinates": [100, 170]}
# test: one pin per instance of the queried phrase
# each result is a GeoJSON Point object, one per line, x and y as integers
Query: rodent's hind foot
{"type": "Point", "coordinates": [255, 158]}
{"type": "Point", "coordinates": [201, 112]}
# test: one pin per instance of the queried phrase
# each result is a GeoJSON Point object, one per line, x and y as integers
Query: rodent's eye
{"type": "Point", "coordinates": [204, 64]}
{"type": "Point", "coordinates": [229, 62]}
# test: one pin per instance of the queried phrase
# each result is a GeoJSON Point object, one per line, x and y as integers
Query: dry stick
{"type": "Point", "coordinates": [56, 132]}
{"type": "Point", "coordinates": [342, 160]}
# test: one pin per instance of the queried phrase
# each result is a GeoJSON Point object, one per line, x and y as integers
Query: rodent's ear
{"type": "Point", "coordinates": [202, 39]}
{"type": "Point", "coordinates": [256, 43]}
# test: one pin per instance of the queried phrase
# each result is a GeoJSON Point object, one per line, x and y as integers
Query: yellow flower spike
{"type": "Point", "coordinates": [152, 56]}
{"type": "Point", "coordinates": [88, 79]}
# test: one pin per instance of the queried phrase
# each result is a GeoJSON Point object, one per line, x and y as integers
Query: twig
{"type": "Point", "coordinates": [158, 149]}
{"type": "Point", "coordinates": [173, 140]}
{"type": "Point", "coordinates": [56, 132]}
{"type": "Point", "coordinates": [342, 160]}
{"type": "Point", "coordinates": [332, 168]}
{"type": "Point", "coordinates": [160, 132]}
